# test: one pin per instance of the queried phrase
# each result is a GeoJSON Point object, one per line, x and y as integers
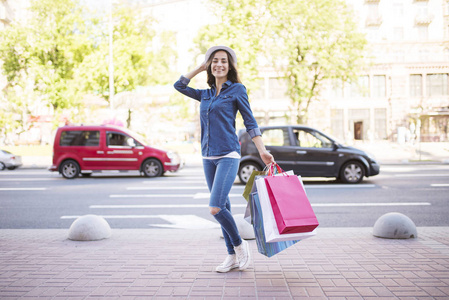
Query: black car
{"type": "Point", "coordinates": [308, 152]}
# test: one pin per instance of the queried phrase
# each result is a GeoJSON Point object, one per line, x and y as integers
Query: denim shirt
{"type": "Point", "coordinates": [217, 116]}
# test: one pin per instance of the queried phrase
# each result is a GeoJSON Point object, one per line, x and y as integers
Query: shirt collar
{"type": "Point", "coordinates": [225, 85]}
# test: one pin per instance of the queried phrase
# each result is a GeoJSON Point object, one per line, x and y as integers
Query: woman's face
{"type": "Point", "coordinates": [220, 65]}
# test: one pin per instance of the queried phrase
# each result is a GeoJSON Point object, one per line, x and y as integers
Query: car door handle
{"type": "Point", "coordinates": [301, 152]}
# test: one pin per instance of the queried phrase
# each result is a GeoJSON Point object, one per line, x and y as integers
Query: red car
{"type": "Point", "coordinates": [83, 149]}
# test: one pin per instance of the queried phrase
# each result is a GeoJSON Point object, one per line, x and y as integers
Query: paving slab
{"type": "Point", "coordinates": [338, 263]}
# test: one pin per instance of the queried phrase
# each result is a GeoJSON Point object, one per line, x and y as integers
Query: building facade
{"type": "Point", "coordinates": [403, 96]}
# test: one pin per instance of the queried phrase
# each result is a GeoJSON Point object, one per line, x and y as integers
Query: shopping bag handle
{"type": "Point", "coordinates": [274, 169]}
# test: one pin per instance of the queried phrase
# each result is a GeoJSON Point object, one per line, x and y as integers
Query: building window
{"type": "Point", "coordinates": [337, 123]}
{"type": "Point", "coordinates": [278, 88]}
{"type": "Point", "coordinates": [398, 9]}
{"type": "Point", "coordinates": [360, 87]}
{"type": "Point", "coordinates": [258, 92]}
{"type": "Point", "coordinates": [373, 34]}
{"type": "Point", "coordinates": [379, 84]}
{"type": "Point", "coordinates": [398, 33]}
{"type": "Point", "coordinates": [437, 85]}
{"type": "Point", "coordinates": [416, 85]}
{"type": "Point", "coordinates": [337, 88]}
{"type": "Point", "coordinates": [422, 33]}
{"type": "Point", "coordinates": [380, 123]}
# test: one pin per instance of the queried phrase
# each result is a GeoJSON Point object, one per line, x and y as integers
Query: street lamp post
{"type": "Point", "coordinates": [111, 62]}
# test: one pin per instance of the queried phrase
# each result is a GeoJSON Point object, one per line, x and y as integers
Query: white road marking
{"type": "Point", "coordinates": [160, 206]}
{"type": "Point", "coordinates": [314, 186]}
{"type": "Point", "coordinates": [421, 175]}
{"type": "Point", "coordinates": [175, 181]}
{"type": "Point", "coordinates": [23, 189]}
{"type": "Point", "coordinates": [338, 186]}
{"type": "Point", "coordinates": [439, 184]}
{"type": "Point", "coordinates": [113, 206]}
{"type": "Point", "coordinates": [195, 196]}
{"type": "Point", "coordinates": [150, 188]}
{"type": "Point", "coordinates": [177, 221]}
{"type": "Point", "coordinates": [26, 179]}
{"type": "Point", "coordinates": [371, 204]}
{"type": "Point", "coordinates": [186, 222]}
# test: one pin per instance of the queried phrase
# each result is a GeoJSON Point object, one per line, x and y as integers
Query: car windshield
{"type": "Point", "coordinates": [137, 136]}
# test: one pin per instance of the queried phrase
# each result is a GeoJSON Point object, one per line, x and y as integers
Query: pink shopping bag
{"type": "Point", "coordinates": [291, 207]}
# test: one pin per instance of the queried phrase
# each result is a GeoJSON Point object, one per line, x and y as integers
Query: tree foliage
{"type": "Point", "coordinates": [137, 59]}
{"type": "Point", "coordinates": [307, 42]}
{"type": "Point", "coordinates": [60, 55]}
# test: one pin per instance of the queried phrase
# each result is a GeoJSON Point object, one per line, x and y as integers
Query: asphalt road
{"type": "Point", "coordinates": [36, 198]}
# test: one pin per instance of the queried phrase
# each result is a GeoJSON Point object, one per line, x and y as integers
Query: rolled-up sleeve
{"type": "Point", "coordinates": [182, 86]}
{"type": "Point", "coordinates": [245, 110]}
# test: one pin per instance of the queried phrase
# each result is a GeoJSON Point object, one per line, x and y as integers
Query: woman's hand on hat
{"type": "Point", "coordinates": [203, 66]}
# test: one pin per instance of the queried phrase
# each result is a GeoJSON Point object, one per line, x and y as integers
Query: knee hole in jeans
{"type": "Point", "coordinates": [214, 210]}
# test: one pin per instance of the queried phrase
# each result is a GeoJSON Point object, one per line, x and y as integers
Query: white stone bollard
{"type": "Point", "coordinates": [395, 226]}
{"type": "Point", "coordinates": [245, 229]}
{"type": "Point", "coordinates": [89, 228]}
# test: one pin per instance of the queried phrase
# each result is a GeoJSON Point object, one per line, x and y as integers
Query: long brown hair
{"type": "Point", "coordinates": [233, 74]}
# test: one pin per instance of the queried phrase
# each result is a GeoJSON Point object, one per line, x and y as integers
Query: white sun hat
{"type": "Point", "coordinates": [216, 48]}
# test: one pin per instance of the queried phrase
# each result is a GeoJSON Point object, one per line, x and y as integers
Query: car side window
{"type": "Point", "coordinates": [311, 139]}
{"type": "Point", "coordinates": [79, 138]}
{"type": "Point", "coordinates": [117, 139]}
{"type": "Point", "coordinates": [275, 137]}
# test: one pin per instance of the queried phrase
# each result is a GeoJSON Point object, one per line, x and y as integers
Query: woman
{"type": "Point", "coordinates": [219, 143]}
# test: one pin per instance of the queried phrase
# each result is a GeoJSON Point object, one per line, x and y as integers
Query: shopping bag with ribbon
{"type": "Point", "coordinates": [267, 249]}
{"type": "Point", "coordinates": [291, 207]}
{"type": "Point", "coordinates": [270, 227]}
{"type": "Point", "coordinates": [250, 183]}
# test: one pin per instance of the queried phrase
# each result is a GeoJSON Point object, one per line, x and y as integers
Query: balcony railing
{"type": "Point", "coordinates": [373, 21]}
{"type": "Point", "coordinates": [423, 19]}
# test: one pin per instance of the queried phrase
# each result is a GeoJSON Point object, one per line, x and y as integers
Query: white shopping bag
{"type": "Point", "coordinates": [269, 222]}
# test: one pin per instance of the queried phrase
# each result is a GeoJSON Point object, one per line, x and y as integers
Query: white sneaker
{"type": "Point", "coordinates": [229, 263]}
{"type": "Point", "coordinates": [243, 255]}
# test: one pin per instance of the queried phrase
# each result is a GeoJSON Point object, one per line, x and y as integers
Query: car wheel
{"type": "Point", "coordinates": [152, 168]}
{"type": "Point", "coordinates": [2, 166]}
{"type": "Point", "coordinates": [246, 169]}
{"type": "Point", "coordinates": [70, 169]}
{"type": "Point", "coordinates": [352, 172]}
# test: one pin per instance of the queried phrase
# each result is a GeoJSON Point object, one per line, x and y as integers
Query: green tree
{"type": "Point", "coordinates": [140, 57]}
{"type": "Point", "coordinates": [314, 41]}
{"type": "Point", "coordinates": [307, 42]}
{"type": "Point", "coordinates": [241, 26]}
{"type": "Point", "coordinates": [39, 57]}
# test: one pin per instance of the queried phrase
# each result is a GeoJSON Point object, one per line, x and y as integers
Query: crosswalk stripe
{"type": "Point", "coordinates": [244, 205]}
{"type": "Point", "coordinates": [149, 188]}
{"type": "Point", "coordinates": [196, 196]}
{"type": "Point", "coordinates": [421, 175]}
{"type": "Point", "coordinates": [338, 186]}
{"type": "Point", "coordinates": [23, 189]}
{"type": "Point", "coordinates": [26, 179]}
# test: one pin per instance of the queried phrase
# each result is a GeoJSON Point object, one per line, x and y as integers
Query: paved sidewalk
{"type": "Point", "coordinates": [339, 263]}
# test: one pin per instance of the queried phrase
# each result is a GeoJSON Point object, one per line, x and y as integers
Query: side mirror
{"type": "Point", "coordinates": [130, 142]}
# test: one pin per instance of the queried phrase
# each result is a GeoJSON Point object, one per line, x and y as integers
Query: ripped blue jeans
{"type": "Point", "coordinates": [220, 175]}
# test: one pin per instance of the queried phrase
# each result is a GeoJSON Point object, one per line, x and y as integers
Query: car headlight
{"type": "Point", "coordinates": [173, 156]}
{"type": "Point", "coordinates": [371, 156]}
